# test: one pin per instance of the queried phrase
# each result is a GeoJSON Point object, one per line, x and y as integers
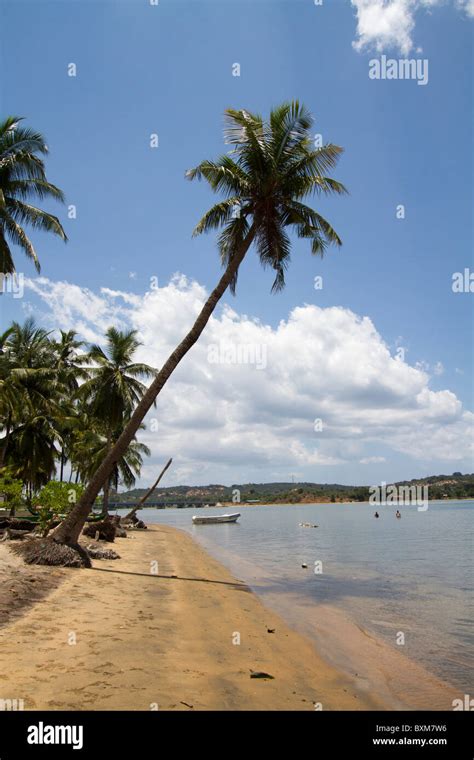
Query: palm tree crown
{"type": "Point", "coordinates": [272, 167]}
{"type": "Point", "coordinates": [114, 389]}
{"type": "Point", "coordinates": [22, 176]}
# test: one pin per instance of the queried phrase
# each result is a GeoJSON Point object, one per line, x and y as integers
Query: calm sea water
{"type": "Point", "coordinates": [412, 575]}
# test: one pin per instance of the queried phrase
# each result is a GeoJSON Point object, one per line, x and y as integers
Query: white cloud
{"type": "Point", "coordinates": [325, 364]}
{"type": "Point", "coordinates": [467, 6]}
{"type": "Point", "coordinates": [384, 25]}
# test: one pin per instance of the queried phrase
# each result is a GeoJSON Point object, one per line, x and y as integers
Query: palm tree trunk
{"type": "Point", "coordinates": [108, 481]}
{"type": "Point", "coordinates": [3, 451]}
{"type": "Point", "coordinates": [62, 464]}
{"type": "Point", "coordinates": [69, 530]}
{"type": "Point", "coordinates": [105, 504]}
{"type": "Point", "coordinates": [148, 493]}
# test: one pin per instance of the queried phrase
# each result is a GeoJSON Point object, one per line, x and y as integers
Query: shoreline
{"type": "Point", "coordinates": [238, 505]}
{"type": "Point", "coordinates": [398, 681]}
{"type": "Point", "coordinates": [127, 635]}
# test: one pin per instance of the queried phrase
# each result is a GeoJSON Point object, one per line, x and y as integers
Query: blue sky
{"type": "Point", "coordinates": [168, 69]}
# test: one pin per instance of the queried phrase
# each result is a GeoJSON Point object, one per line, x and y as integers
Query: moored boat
{"type": "Point", "coordinates": [209, 519]}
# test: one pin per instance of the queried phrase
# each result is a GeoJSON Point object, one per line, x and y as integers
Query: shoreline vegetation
{"type": "Point", "coordinates": [129, 634]}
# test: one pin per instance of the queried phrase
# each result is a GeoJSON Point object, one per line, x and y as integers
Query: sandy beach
{"type": "Point", "coordinates": [132, 635]}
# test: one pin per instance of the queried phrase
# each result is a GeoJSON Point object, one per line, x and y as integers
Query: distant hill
{"type": "Point", "coordinates": [455, 486]}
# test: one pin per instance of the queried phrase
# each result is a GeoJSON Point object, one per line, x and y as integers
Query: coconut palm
{"type": "Point", "coordinates": [90, 447]}
{"type": "Point", "coordinates": [68, 363]}
{"type": "Point", "coordinates": [36, 402]}
{"type": "Point", "coordinates": [33, 452]}
{"type": "Point", "coordinates": [28, 345]}
{"type": "Point", "coordinates": [271, 169]}
{"type": "Point", "coordinates": [69, 366]}
{"type": "Point", "coordinates": [26, 378]}
{"type": "Point", "coordinates": [8, 395]}
{"type": "Point", "coordinates": [23, 177]}
{"type": "Point", "coordinates": [114, 389]}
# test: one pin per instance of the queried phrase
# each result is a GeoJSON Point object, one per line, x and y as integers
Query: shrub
{"type": "Point", "coordinates": [54, 500]}
{"type": "Point", "coordinates": [59, 497]}
{"type": "Point", "coordinates": [11, 490]}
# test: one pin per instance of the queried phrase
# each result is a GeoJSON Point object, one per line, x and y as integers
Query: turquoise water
{"type": "Point", "coordinates": [412, 575]}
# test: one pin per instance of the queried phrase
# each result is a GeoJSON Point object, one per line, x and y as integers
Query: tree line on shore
{"type": "Point", "coordinates": [62, 407]}
{"type": "Point", "coordinates": [455, 486]}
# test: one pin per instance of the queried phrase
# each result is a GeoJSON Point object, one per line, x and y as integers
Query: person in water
{"type": "Point", "coordinates": [397, 514]}
{"type": "Point", "coordinates": [376, 514]}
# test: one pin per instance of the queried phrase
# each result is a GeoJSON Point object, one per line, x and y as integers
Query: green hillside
{"type": "Point", "coordinates": [455, 486]}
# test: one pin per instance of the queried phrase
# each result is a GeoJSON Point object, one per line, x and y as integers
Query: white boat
{"type": "Point", "coordinates": [209, 519]}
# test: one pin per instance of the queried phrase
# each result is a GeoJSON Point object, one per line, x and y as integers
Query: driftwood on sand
{"type": "Point", "coordinates": [97, 552]}
{"type": "Point", "coordinates": [9, 534]}
{"type": "Point", "coordinates": [16, 523]}
{"type": "Point", "coordinates": [104, 530]}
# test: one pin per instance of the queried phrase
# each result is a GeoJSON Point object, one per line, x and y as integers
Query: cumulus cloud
{"type": "Point", "coordinates": [467, 6]}
{"type": "Point", "coordinates": [383, 25]}
{"type": "Point", "coordinates": [328, 394]}
{"type": "Point", "coordinates": [389, 24]}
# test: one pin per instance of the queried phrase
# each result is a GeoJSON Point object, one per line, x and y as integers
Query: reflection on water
{"type": "Point", "coordinates": [412, 575]}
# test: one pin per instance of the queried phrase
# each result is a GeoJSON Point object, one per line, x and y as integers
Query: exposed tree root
{"type": "Point", "coordinates": [47, 551]}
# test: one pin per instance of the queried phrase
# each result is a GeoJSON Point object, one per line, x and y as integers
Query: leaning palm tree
{"type": "Point", "coordinates": [131, 516]}
{"type": "Point", "coordinates": [23, 177]}
{"type": "Point", "coordinates": [272, 167]}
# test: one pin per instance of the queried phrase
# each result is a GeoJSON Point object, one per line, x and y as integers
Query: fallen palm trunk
{"type": "Point", "coordinates": [14, 535]}
{"type": "Point", "coordinates": [17, 524]}
{"type": "Point", "coordinates": [131, 516]}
